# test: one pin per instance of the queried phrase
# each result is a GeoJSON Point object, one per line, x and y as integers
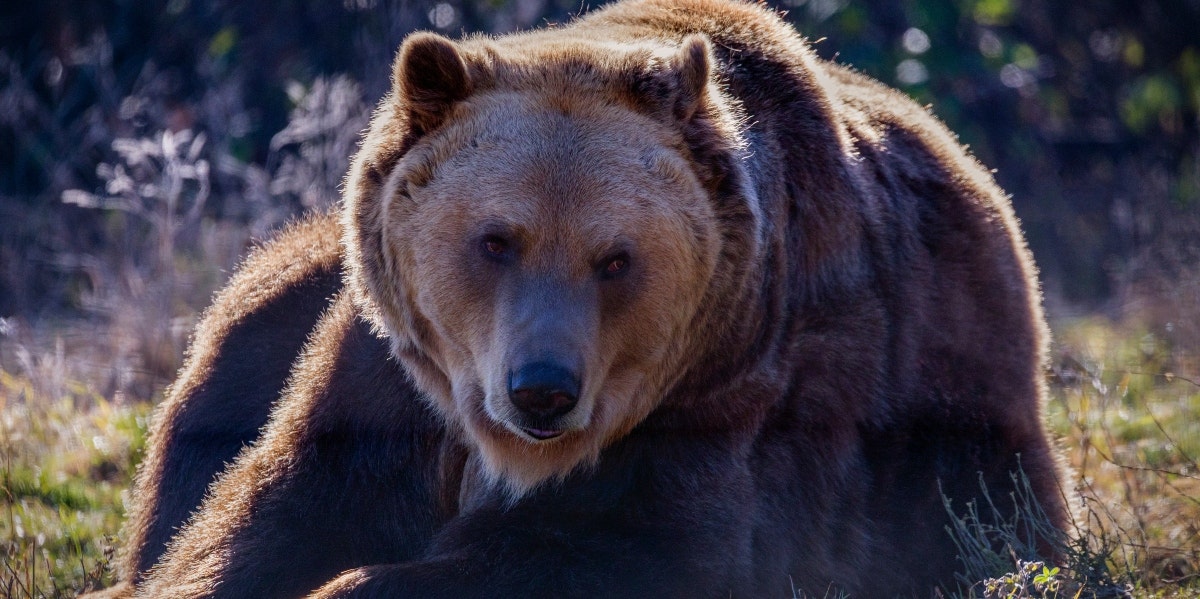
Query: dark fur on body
{"type": "Point", "coordinates": [872, 329]}
{"type": "Point", "coordinates": [237, 365]}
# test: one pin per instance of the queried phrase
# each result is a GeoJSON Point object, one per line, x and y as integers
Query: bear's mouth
{"type": "Point", "coordinates": [541, 434]}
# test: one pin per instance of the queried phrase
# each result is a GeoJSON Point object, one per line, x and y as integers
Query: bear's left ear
{"type": "Point", "coordinates": [677, 85]}
{"type": "Point", "coordinates": [430, 76]}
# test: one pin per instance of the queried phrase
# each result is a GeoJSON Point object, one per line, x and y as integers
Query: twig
{"type": "Point", "coordinates": [1170, 376]}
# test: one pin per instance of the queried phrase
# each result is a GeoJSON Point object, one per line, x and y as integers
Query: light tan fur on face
{"type": "Point", "coordinates": [571, 175]}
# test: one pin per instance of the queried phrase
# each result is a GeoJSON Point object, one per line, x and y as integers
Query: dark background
{"type": "Point", "coordinates": [1088, 111]}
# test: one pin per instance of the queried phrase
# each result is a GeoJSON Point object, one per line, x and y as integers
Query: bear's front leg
{"type": "Point", "coordinates": [381, 581]}
{"type": "Point", "coordinates": [643, 523]}
{"type": "Point", "coordinates": [344, 475]}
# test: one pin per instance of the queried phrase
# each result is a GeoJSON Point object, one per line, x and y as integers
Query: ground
{"type": "Point", "coordinates": [1125, 403]}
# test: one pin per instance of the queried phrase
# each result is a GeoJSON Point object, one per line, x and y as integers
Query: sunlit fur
{"type": "Point", "coordinates": [573, 168]}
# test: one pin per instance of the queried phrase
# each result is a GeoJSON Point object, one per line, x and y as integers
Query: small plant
{"type": "Point", "coordinates": [1030, 580]}
{"type": "Point", "coordinates": [1001, 557]}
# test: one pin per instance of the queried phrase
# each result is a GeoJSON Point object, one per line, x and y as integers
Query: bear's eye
{"type": "Point", "coordinates": [495, 246]}
{"type": "Point", "coordinates": [615, 265]}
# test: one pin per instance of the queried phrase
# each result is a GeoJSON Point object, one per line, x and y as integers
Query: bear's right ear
{"type": "Point", "coordinates": [675, 87]}
{"type": "Point", "coordinates": [430, 76]}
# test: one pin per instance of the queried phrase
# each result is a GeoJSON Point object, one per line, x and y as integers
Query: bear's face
{"type": "Point", "coordinates": [557, 256]}
{"type": "Point", "coordinates": [542, 251]}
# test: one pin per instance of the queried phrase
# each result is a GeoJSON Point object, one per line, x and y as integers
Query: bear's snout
{"type": "Point", "coordinates": [543, 391]}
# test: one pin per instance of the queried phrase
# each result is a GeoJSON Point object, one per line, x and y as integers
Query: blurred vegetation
{"type": "Point", "coordinates": [145, 143]}
{"type": "Point", "coordinates": [1088, 111]}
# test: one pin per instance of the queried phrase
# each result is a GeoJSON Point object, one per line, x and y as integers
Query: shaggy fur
{"type": "Point", "coordinates": [799, 313]}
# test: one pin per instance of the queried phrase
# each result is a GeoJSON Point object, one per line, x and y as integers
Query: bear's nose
{"type": "Point", "coordinates": [543, 390]}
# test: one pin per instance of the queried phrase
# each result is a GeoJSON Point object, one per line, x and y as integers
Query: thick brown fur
{"type": "Point", "coordinates": [797, 311]}
{"type": "Point", "coordinates": [237, 363]}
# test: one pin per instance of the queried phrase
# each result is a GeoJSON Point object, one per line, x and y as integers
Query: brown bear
{"type": "Point", "coordinates": [653, 304]}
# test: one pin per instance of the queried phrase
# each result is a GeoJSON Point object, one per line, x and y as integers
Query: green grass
{"type": "Point", "coordinates": [1125, 404]}
{"type": "Point", "coordinates": [66, 458]}
{"type": "Point", "coordinates": [1128, 418]}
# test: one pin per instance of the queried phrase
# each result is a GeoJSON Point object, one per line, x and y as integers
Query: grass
{"type": "Point", "coordinates": [1129, 422]}
{"type": "Point", "coordinates": [66, 459]}
{"type": "Point", "coordinates": [1125, 404]}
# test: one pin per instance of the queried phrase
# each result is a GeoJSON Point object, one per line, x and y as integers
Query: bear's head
{"type": "Point", "coordinates": [540, 228]}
